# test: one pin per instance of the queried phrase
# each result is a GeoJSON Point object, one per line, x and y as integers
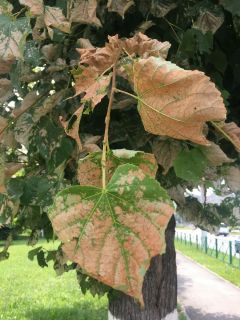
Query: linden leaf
{"type": "Point", "coordinates": [175, 102]}
{"type": "Point", "coordinates": [233, 179]}
{"type": "Point", "coordinates": [233, 131]}
{"type": "Point", "coordinates": [113, 233]}
{"type": "Point", "coordinates": [89, 168]}
{"type": "Point", "coordinates": [166, 152]}
{"type": "Point", "coordinates": [54, 18]}
{"type": "Point", "coordinates": [190, 164]}
{"type": "Point", "coordinates": [12, 37]}
{"type": "Point", "coordinates": [215, 155]}
{"type": "Point", "coordinates": [143, 46]}
{"type": "Point", "coordinates": [119, 6]}
{"type": "Point", "coordinates": [84, 12]}
{"type": "Point", "coordinates": [6, 90]}
{"type": "Point", "coordinates": [36, 7]}
{"type": "Point", "coordinates": [73, 131]}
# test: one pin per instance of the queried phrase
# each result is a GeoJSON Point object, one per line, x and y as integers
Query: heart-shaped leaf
{"type": "Point", "coordinates": [113, 233]}
{"type": "Point", "coordinates": [175, 102]}
{"type": "Point", "coordinates": [90, 172]}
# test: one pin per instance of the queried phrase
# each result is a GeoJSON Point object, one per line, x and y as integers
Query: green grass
{"type": "Point", "coordinates": [221, 268]}
{"type": "Point", "coordinates": [28, 292]}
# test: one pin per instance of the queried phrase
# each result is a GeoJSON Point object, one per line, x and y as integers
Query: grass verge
{"type": "Point", "coordinates": [29, 292]}
{"type": "Point", "coordinates": [221, 268]}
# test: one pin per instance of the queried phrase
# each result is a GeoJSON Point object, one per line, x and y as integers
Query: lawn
{"type": "Point", "coordinates": [29, 292]}
{"type": "Point", "coordinates": [221, 268]}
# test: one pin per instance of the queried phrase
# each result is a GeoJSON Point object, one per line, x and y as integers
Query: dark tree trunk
{"type": "Point", "coordinates": [159, 287]}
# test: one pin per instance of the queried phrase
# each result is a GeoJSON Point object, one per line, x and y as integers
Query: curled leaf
{"type": "Point", "coordinates": [175, 102]}
{"type": "Point", "coordinates": [73, 132]}
{"type": "Point", "coordinates": [143, 46]}
{"type": "Point", "coordinates": [215, 155]}
{"type": "Point", "coordinates": [89, 168]}
{"type": "Point", "coordinates": [113, 233]}
{"type": "Point", "coordinates": [119, 6]}
{"type": "Point", "coordinates": [233, 131]}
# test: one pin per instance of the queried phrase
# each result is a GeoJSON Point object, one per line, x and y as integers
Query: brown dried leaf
{"type": "Point", "coordinates": [175, 102]}
{"type": "Point", "coordinates": [144, 26]}
{"type": "Point", "coordinates": [36, 7]}
{"type": "Point", "coordinates": [119, 6]}
{"type": "Point", "coordinates": [176, 193]}
{"type": "Point", "coordinates": [89, 168]}
{"type": "Point", "coordinates": [6, 65]}
{"type": "Point", "coordinates": [84, 43]}
{"type": "Point", "coordinates": [161, 8]}
{"type": "Point", "coordinates": [143, 46]}
{"type": "Point", "coordinates": [39, 32]}
{"type": "Point", "coordinates": [102, 58]}
{"type": "Point", "coordinates": [233, 131]}
{"type": "Point", "coordinates": [208, 21]}
{"type": "Point", "coordinates": [84, 12]}
{"type": "Point", "coordinates": [29, 100]}
{"type": "Point", "coordinates": [53, 17]}
{"type": "Point", "coordinates": [73, 131]}
{"type": "Point", "coordinates": [5, 90]}
{"type": "Point", "coordinates": [107, 231]}
{"type": "Point", "coordinates": [50, 51]}
{"type": "Point", "coordinates": [165, 152]}
{"type": "Point", "coordinates": [232, 178]}
{"type": "Point", "coordinates": [215, 155]}
{"type": "Point", "coordinates": [11, 168]}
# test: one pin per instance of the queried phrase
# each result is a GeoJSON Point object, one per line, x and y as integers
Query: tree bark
{"type": "Point", "coordinates": [159, 288]}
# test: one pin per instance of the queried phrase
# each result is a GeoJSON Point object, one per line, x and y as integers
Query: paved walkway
{"type": "Point", "coordinates": [204, 295]}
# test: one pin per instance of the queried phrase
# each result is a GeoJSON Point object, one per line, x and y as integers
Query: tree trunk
{"type": "Point", "coordinates": [159, 288]}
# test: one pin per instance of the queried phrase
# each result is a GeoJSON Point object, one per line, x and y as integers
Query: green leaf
{"type": "Point", "coordinates": [190, 165]}
{"type": "Point", "coordinates": [89, 168]}
{"type": "Point", "coordinates": [195, 41]}
{"type": "Point", "coordinates": [232, 6]}
{"type": "Point", "coordinates": [13, 35]}
{"type": "Point", "coordinates": [41, 259]}
{"type": "Point", "coordinates": [106, 231]}
{"type": "Point", "coordinates": [33, 253]}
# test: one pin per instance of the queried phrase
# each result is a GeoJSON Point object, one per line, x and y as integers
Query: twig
{"type": "Point", "coordinates": [107, 123]}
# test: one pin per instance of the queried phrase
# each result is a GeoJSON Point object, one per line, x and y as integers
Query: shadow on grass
{"type": "Point", "coordinates": [198, 314]}
{"type": "Point", "coordinates": [80, 311]}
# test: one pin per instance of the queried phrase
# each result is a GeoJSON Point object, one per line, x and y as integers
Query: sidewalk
{"type": "Point", "coordinates": [204, 295]}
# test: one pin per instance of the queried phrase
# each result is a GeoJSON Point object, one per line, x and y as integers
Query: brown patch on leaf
{"type": "Point", "coordinates": [166, 152]}
{"type": "Point", "coordinates": [175, 102]}
{"type": "Point", "coordinates": [73, 131]}
{"type": "Point", "coordinates": [215, 155]}
{"type": "Point", "coordinates": [143, 46]}
{"type": "Point", "coordinates": [36, 7]}
{"type": "Point", "coordinates": [109, 239]}
{"type": "Point", "coordinates": [84, 12]}
{"type": "Point", "coordinates": [119, 6]}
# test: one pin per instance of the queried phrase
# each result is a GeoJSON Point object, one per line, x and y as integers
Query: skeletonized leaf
{"type": "Point", "coordinates": [54, 18]}
{"type": "Point", "coordinates": [143, 46]}
{"type": "Point", "coordinates": [161, 8]}
{"type": "Point", "coordinates": [84, 12]}
{"type": "Point", "coordinates": [208, 21]}
{"type": "Point", "coordinates": [119, 6]}
{"type": "Point", "coordinates": [215, 155]}
{"type": "Point", "coordinates": [113, 233]}
{"type": "Point", "coordinates": [166, 152]}
{"type": "Point", "coordinates": [36, 7]}
{"type": "Point", "coordinates": [233, 178]}
{"type": "Point", "coordinates": [175, 102]}
{"type": "Point", "coordinates": [89, 168]}
{"type": "Point", "coordinates": [12, 37]}
{"type": "Point", "coordinates": [233, 131]}
{"type": "Point", "coordinates": [5, 90]}
{"type": "Point", "coordinates": [73, 131]}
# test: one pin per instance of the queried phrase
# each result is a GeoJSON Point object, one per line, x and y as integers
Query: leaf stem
{"type": "Point", "coordinates": [226, 136]}
{"type": "Point", "coordinates": [148, 105]}
{"type": "Point", "coordinates": [107, 123]}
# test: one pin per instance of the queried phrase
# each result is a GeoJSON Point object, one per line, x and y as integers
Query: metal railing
{"type": "Point", "coordinates": [220, 248]}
